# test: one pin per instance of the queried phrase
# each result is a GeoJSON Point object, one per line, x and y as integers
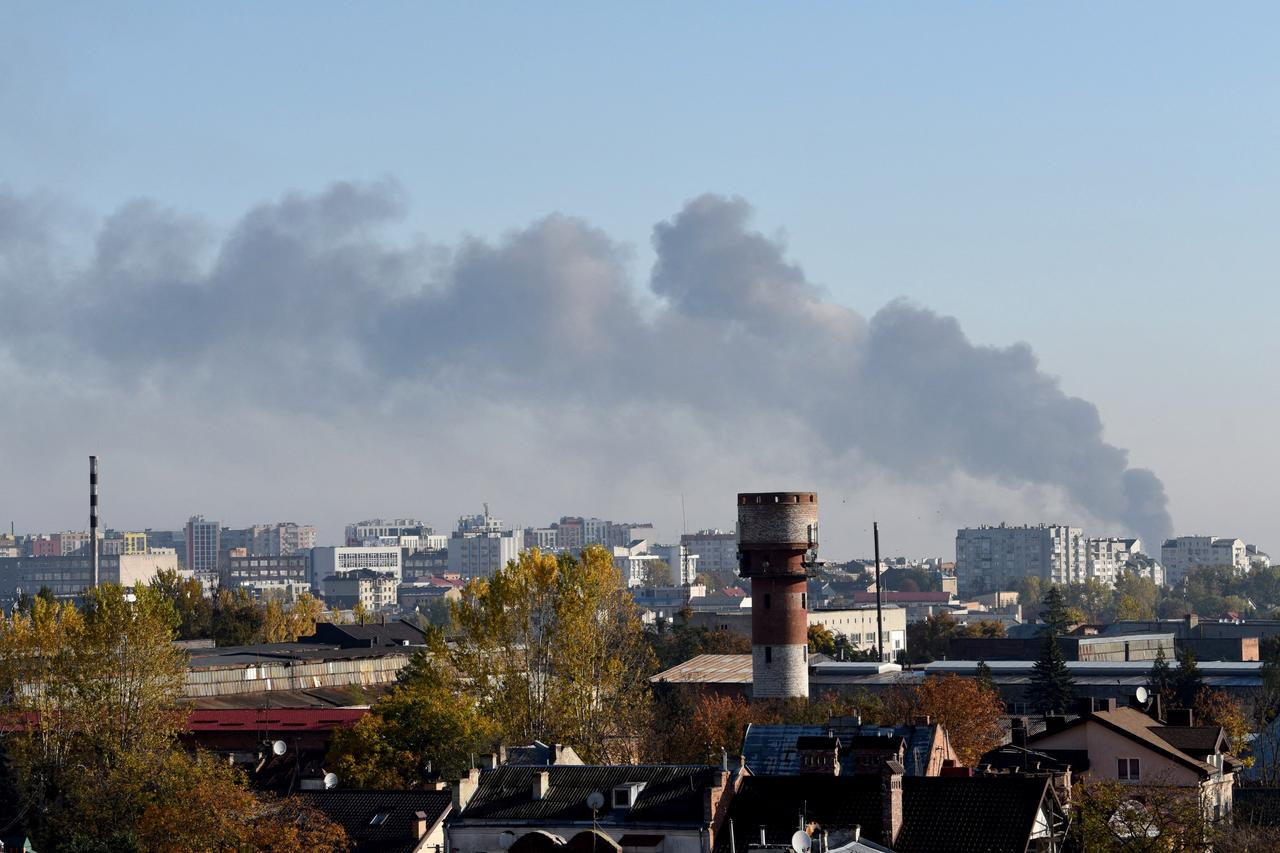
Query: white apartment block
{"type": "Point", "coordinates": [1184, 553]}
{"type": "Point", "coordinates": [859, 625]}
{"type": "Point", "coordinates": [375, 590]}
{"type": "Point", "coordinates": [542, 538]}
{"type": "Point", "coordinates": [716, 550]}
{"type": "Point", "coordinates": [1107, 557]}
{"type": "Point", "coordinates": [991, 558]}
{"type": "Point", "coordinates": [632, 561]}
{"type": "Point", "coordinates": [203, 540]}
{"type": "Point", "coordinates": [595, 531]}
{"type": "Point", "coordinates": [479, 555]}
{"type": "Point", "coordinates": [375, 528]}
{"type": "Point", "coordinates": [331, 560]}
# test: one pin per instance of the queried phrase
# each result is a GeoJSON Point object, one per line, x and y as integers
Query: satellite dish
{"type": "Point", "coordinates": [595, 801]}
{"type": "Point", "coordinates": [278, 747]}
{"type": "Point", "coordinates": [801, 842]}
{"type": "Point", "coordinates": [330, 781]}
{"type": "Point", "coordinates": [1141, 695]}
{"type": "Point", "coordinates": [506, 839]}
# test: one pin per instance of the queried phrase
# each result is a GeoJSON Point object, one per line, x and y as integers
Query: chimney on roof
{"type": "Point", "coordinates": [541, 784]}
{"type": "Point", "coordinates": [890, 802]}
{"type": "Point", "coordinates": [465, 788]}
{"type": "Point", "coordinates": [419, 825]}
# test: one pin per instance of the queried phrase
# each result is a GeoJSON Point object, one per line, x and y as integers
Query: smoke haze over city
{"type": "Point", "coordinates": [289, 287]}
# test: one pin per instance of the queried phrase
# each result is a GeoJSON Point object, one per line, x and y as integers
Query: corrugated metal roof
{"type": "Point", "coordinates": [719, 669]}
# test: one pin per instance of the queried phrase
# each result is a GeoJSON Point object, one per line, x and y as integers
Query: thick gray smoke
{"type": "Point", "coordinates": [306, 306]}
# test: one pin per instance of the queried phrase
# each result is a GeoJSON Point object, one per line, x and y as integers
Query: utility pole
{"type": "Point", "coordinates": [875, 532]}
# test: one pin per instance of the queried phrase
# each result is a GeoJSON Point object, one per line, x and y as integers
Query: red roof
{"type": "Point", "coordinates": [273, 719]}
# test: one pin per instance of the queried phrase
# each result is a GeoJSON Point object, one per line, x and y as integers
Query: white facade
{"type": "Point", "coordinates": [479, 555]}
{"type": "Point", "coordinates": [377, 527]}
{"type": "Point", "coordinates": [542, 538]}
{"type": "Point", "coordinates": [717, 550]}
{"type": "Point", "coordinates": [331, 560]}
{"type": "Point", "coordinates": [1107, 557]}
{"type": "Point", "coordinates": [991, 558]}
{"type": "Point", "coordinates": [375, 590]}
{"type": "Point", "coordinates": [632, 561]}
{"type": "Point", "coordinates": [1184, 553]}
{"type": "Point", "coordinates": [859, 625]}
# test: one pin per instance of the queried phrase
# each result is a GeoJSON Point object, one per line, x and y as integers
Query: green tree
{"type": "Point", "coordinates": [1160, 679]}
{"type": "Point", "coordinates": [186, 596]}
{"type": "Point", "coordinates": [985, 677]}
{"type": "Point", "coordinates": [1030, 592]}
{"type": "Point", "coordinates": [655, 573]}
{"type": "Point", "coordinates": [822, 641]}
{"type": "Point", "coordinates": [1187, 680]}
{"type": "Point", "coordinates": [1057, 617]}
{"type": "Point", "coordinates": [1052, 687]}
{"type": "Point", "coordinates": [1114, 817]}
{"type": "Point", "coordinates": [558, 645]}
{"type": "Point", "coordinates": [237, 619]}
{"type": "Point", "coordinates": [429, 724]}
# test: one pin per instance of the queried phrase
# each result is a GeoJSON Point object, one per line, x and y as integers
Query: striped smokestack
{"type": "Point", "coordinates": [93, 515]}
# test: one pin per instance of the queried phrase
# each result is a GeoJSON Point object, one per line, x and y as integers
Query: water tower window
{"type": "Point", "coordinates": [768, 601]}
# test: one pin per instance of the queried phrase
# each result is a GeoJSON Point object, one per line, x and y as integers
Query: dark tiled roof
{"type": "Point", "coordinates": [770, 750]}
{"type": "Point", "coordinates": [672, 793]}
{"type": "Point", "coordinates": [354, 810]}
{"type": "Point", "coordinates": [394, 633]}
{"type": "Point", "coordinates": [983, 814]}
{"type": "Point", "coordinates": [777, 803]}
{"type": "Point", "coordinates": [1196, 740]}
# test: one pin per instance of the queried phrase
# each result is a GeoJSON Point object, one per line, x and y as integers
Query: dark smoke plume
{"type": "Point", "coordinates": [305, 306]}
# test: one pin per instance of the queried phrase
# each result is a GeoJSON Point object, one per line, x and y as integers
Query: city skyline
{"type": "Point", "coordinates": [412, 310]}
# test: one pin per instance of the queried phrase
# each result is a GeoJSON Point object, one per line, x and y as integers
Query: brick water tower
{"type": "Point", "coordinates": [777, 544]}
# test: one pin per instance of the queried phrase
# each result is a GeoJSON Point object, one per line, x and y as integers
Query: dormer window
{"type": "Point", "coordinates": [624, 796]}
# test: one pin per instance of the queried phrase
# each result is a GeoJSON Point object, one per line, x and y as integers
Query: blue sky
{"type": "Point", "coordinates": [1099, 180]}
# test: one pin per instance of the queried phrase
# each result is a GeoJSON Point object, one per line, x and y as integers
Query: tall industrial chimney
{"type": "Point", "coordinates": [93, 516]}
{"type": "Point", "coordinates": [777, 544]}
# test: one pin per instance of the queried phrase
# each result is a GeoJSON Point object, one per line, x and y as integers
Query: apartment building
{"type": "Point", "coordinates": [1107, 557]}
{"type": "Point", "coordinates": [331, 560]}
{"type": "Point", "coordinates": [995, 557]}
{"type": "Point", "coordinates": [375, 590]}
{"type": "Point", "coordinates": [480, 554]}
{"type": "Point", "coordinates": [1183, 553]}
{"type": "Point", "coordinates": [203, 542]}
{"type": "Point", "coordinates": [717, 551]}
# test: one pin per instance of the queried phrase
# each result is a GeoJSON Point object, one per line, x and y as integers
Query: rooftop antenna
{"type": "Point", "coordinates": [875, 532]}
{"type": "Point", "coordinates": [684, 519]}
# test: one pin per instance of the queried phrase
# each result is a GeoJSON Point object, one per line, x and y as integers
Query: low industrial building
{"type": "Point", "coordinates": [1131, 647]}
{"type": "Point", "coordinates": [69, 577]}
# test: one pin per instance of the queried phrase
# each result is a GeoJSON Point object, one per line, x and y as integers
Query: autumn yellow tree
{"type": "Point", "coordinates": [1217, 708]}
{"type": "Point", "coordinates": [970, 712]}
{"type": "Point", "coordinates": [553, 647]}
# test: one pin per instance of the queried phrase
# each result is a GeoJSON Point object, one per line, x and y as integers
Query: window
{"type": "Point", "coordinates": [1128, 769]}
{"type": "Point", "coordinates": [768, 654]}
{"type": "Point", "coordinates": [622, 798]}
{"type": "Point", "coordinates": [804, 600]}
{"type": "Point", "coordinates": [379, 819]}
{"type": "Point", "coordinates": [768, 601]}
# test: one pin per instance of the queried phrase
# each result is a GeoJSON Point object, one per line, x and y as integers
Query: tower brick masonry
{"type": "Point", "coordinates": [777, 542]}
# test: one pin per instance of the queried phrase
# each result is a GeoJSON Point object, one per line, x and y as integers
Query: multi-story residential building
{"type": "Point", "coordinates": [990, 558]}
{"type": "Point", "coordinates": [569, 534]}
{"type": "Point", "coordinates": [9, 546]}
{"type": "Point", "coordinates": [374, 528]}
{"type": "Point", "coordinates": [1257, 557]}
{"type": "Point", "coordinates": [542, 538]}
{"type": "Point", "coordinates": [425, 564]}
{"type": "Point", "coordinates": [480, 554]}
{"type": "Point", "coordinates": [596, 531]}
{"type": "Point", "coordinates": [74, 540]}
{"type": "Point", "coordinates": [203, 541]}
{"type": "Point", "coordinates": [621, 535]}
{"type": "Point", "coordinates": [263, 575]}
{"type": "Point", "coordinates": [329, 561]}
{"type": "Point", "coordinates": [633, 561]}
{"type": "Point", "coordinates": [1184, 553]}
{"type": "Point", "coordinates": [1107, 557]}
{"type": "Point", "coordinates": [45, 546]}
{"type": "Point", "coordinates": [683, 562]}
{"type": "Point", "coordinates": [375, 590]}
{"type": "Point", "coordinates": [69, 576]}
{"type": "Point", "coordinates": [282, 538]}
{"type": "Point", "coordinates": [717, 551]}
{"type": "Point", "coordinates": [175, 539]}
